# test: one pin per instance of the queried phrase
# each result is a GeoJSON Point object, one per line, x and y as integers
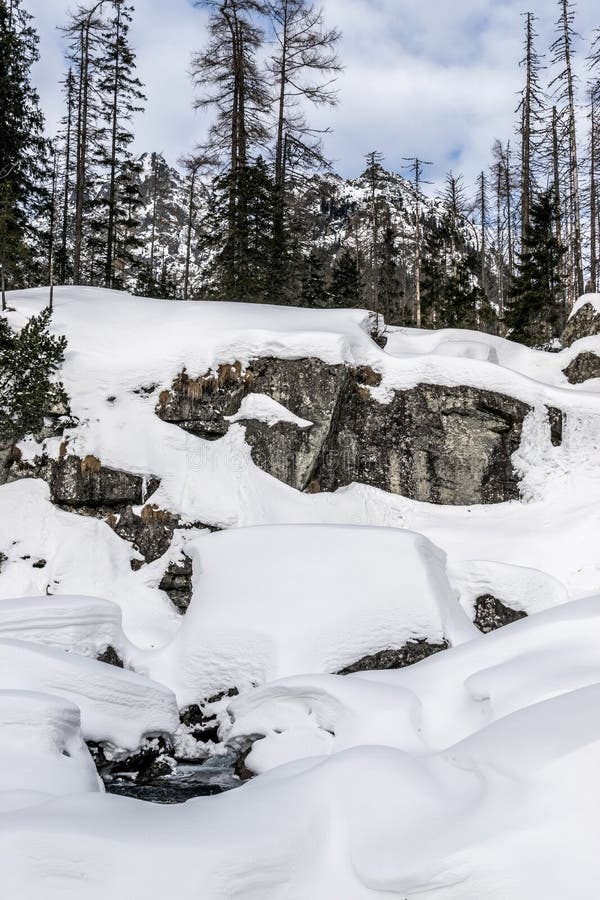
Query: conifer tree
{"type": "Point", "coordinates": [534, 314]}
{"type": "Point", "coordinates": [29, 360]}
{"type": "Point", "coordinates": [531, 110]}
{"type": "Point", "coordinates": [303, 69]}
{"type": "Point", "coordinates": [314, 281]}
{"type": "Point", "coordinates": [232, 83]}
{"type": "Point", "coordinates": [121, 96]}
{"type": "Point", "coordinates": [24, 154]}
{"type": "Point", "coordinates": [345, 281]}
{"type": "Point", "coordinates": [564, 84]}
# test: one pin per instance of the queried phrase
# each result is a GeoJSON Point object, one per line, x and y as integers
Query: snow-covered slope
{"type": "Point", "coordinates": [471, 774]}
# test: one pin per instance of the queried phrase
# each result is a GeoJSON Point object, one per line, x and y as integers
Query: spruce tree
{"type": "Point", "coordinates": [24, 166]}
{"type": "Point", "coordinates": [232, 82]}
{"type": "Point", "coordinates": [314, 281]}
{"type": "Point", "coordinates": [534, 311]}
{"type": "Point", "coordinates": [345, 282]}
{"type": "Point", "coordinates": [303, 68]}
{"type": "Point", "coordinates": [29, 359]}
{"type": "Point", "coordinates": [121, 97]}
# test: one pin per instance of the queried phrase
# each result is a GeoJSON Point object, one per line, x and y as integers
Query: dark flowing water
{"type": "Point", "coordinates": [214, 776]}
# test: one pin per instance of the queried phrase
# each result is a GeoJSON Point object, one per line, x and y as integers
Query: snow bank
{"type": "Point", "coordinates": [217, 483]}
{"type": "Point", "coordinates": [524, 590]}
{"type": "Point", "coordinates": [49, 551]}
{"type": "Point", "coordinates": [276, 601]}
{"type": "Point", "coordinates": [84, 625]}
{"type": "Point", "coordinates": [370, 822]}
{"type": "Point", "coordinates": [430, 705]}
{"type": "Point", "coordinates": [116, 705]}
{"type": "Point", "coordinates": [41, 748]}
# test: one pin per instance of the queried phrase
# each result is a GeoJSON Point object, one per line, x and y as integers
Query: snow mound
{"type": "Point", "coordinates": [522, 589]}
{"type": "Point", "coordinates": [592, 299]}
{"type": "Point", "coordinates": [430, 705]}
{"type": "Point", "coordinates": [80, 556]}
{"type": "Point", "coordinates": [42, 749]}
{"type": "Point", "coordinates": [369, 822]}
{"type": "Point", "coordinates": [275, 601]}
{"type": "Point", "coordinates": [83, 625]}
{"type": "Point", "coordinates": [263, 408]}
{"type": "Point", "coordinates": [116, 705]}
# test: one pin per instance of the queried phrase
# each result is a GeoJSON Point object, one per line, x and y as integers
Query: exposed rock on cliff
{"type": "Point", "coordinates": [76, 482]}
{"type": "Point", "coordinates": [450, 445]}
{"type": "Point", "coordinates": [583, 367]}
{"type": "Point", "coordinates": [584, 323]}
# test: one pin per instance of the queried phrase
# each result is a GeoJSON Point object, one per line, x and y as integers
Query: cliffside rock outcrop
{"type": "Point", "coordinates": [584, 323]}
{"type": "Point", "coordinates": [450, 445]}
{"type": "Point", "coordinates": [583, 367]}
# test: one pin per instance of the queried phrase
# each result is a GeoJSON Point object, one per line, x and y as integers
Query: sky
{"type": "Point", "coordinates": [437, 79]}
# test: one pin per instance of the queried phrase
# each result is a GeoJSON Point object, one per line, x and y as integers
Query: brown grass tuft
{"type": "Point", "coordinates": [314, 487]}
{"type": "Point", "coordinates": [90, 465]}
{"type": "Point", "coordinates": [151, 515]}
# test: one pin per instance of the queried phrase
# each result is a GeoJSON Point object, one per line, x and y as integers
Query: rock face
{"type": "Point", "coordinates": [584, 323]}
{"type": "Point", "coordinates": [76, 482]}
{"type": "Point", "coordinates": [412, 652]}
{"type": "Point", "coordinates": [583, 367]}
{"type": "Point", "coordinates": [450, 445]}
{"type": "Point", "coordinates": [491, 614]}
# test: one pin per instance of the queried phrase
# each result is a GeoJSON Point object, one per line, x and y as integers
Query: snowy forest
{"type": "Point", "coordinates": [299, 472]}
{"type": "Point", "coordinates": [254, 211]}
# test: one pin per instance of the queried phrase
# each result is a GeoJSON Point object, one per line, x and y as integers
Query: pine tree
{"type": "Point", "coordinates": [565, 84]}
{"type": "Point", "coordinates": [314, 281]}
{"type": "Point", "coordinates": [83, 34]}
{"type": "Point", "coordinates": [68, 151]}
{"type": "Point", "coordinates": [535, 308]}
{"type": "Point", "coordinates": [417, 168]}
{"type": "Point", "coordinates": [24, 165]}
{"type": "Point", "coordinates": [244, 278]}
{"type": "Point", "coordinates": [303, 67]}
{"type": "Point", "coordinates": [29, 360]}
{"type": "Point", "coordinates": [345, 282]}
{"type": "Point", "coordinates": [531, 109]}
{"type": "Point", "coordinates": [121, 97]}
{"type": "Point", "coordinates": [230, 80]}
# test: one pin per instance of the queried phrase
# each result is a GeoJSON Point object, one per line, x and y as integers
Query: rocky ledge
{"type": "Point", "coordinates": [438, 444]}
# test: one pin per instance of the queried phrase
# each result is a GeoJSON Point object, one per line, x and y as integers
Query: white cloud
{"type": "Point", "coordinates": [432, 78]}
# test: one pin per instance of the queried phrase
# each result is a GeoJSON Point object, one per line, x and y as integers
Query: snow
{"type": "Point", "coordinates": [82, 555]}
{"type": "Point", "coordinates": [116, 705]}
{"type": "Point", "coordinates": [262, 408]}
{"type": "Point", "coordinates": [431, 705]}
{"type": "Point", "coordinates": [277, 601]}
{"type": "Point", "coordinates": [472, 774]}
{"type": "Point", "coordinates": [592, 299]}
{"type": "Point", "coordinates": [42, 749]}
{"type": "Point", "coordinates": [84, 625]}
{"type": "Point", "coordinates": [522, 589]}
{"type": "Point", "coordinates": [365, 822]}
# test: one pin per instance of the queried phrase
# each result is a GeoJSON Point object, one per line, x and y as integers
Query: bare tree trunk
{"type": "Point", "coordinates": [112, 190]}
{"type": "Point", "coordinates": [593, 201]}
{"type": "Point", "coordinates": [154, 213]}
{"type": "Point", "coordinates": [526, 128]}
{"type": "Point", "coordinates": [188, 246]}
{"type": "Point", "coordinates": [578, 283]}
{"type": "Point", "coordinates": [67, 179]}
{"type": "Point", "coordinates": [80, 179]}
{"type": "Point", "coordinates": [52, 230]}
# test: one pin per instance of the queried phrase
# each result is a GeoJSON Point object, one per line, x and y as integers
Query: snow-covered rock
{"type": "Point", "coordinates": [431, 705]}
{"type": "Point", "coordinates": [41, 749]}
{"type": "Point", "coordinates": [271, 602]}
{"type": "Point", "coordinates": [116, 705]}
